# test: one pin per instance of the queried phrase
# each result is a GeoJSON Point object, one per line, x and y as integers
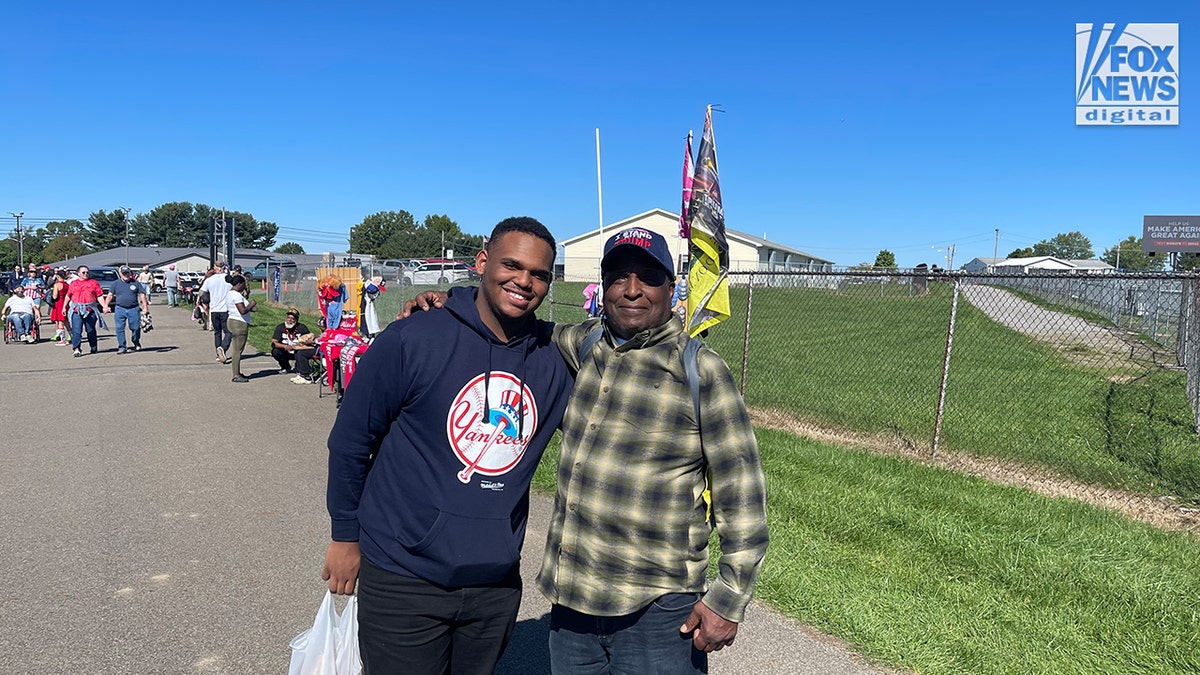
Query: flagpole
{"type": "Point", "coordinates": [599, 196]}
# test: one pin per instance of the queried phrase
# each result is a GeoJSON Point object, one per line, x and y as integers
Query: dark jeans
{"type": "Point", "coordinates": [78, 324]}
{"type": "Point", "coordinates": [415, 627]}
{"type": "Point", "coordinates": [301, 356]}
{"type": "Point", "coordinates": [221, 335]}
{"type": "Point", "coordinates": [646, 641]}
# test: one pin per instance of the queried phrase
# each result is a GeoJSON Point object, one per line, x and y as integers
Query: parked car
{"type": "Point", "coordinates": [104, 275]}
{"type": "Point", "coordinates": [260, 271]}
{"type": "Point", "coordinates": [394, 269]}
{"type": "Point", "coordinates": [436, 273]}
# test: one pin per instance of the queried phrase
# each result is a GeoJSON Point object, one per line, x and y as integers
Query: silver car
{"type": "Point", "coordinates": [436, 273]}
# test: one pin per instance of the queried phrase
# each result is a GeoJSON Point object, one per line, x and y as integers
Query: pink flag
{"type": "Point", "coordinates": [685, 227]}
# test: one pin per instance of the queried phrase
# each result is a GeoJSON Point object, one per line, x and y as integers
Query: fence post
{"type": "Point", "coordinates": [941, 404]}
{"type": "Point", "coordinates": [746, 334]}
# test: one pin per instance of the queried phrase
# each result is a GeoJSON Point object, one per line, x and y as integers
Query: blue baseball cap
{"type": "Point", "coordinates": [652, 243]}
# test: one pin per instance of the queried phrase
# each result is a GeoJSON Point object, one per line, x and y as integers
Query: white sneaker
{"type": "Point", "coordinates": [300, 379]}
{"type": "Point", "coordinates": [221, 355]}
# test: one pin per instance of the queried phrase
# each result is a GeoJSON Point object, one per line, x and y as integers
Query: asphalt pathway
{"type": "Point", "coordinates": [158, 518]}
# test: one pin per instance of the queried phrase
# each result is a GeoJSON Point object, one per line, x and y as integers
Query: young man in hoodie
{"type": "Point", "coordinates": [430, 462]}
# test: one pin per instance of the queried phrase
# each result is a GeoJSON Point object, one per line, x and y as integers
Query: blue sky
{"type": "Point", "coordinates": [848, 127]}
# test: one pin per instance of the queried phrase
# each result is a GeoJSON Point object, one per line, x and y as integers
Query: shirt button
{"type": "Point", "coordinates": [606, 390]}
{"type": "Point", "coordinates": [591, 426]}
{"type": "Point", "coordinates": [571, 508]}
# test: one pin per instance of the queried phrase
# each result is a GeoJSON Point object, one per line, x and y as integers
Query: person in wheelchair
{"type": "Point", "coordinates": [19, 311]}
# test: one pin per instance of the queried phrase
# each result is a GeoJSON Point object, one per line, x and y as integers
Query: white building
{"type": "Point", "coordinates": [1046, 263]}
{"type": "Point", "coordinates": [581, 254]}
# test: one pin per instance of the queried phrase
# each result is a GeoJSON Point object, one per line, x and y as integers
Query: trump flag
{"type": "Point", "coordinates": [708, 271]}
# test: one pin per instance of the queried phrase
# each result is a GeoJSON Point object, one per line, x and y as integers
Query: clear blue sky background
{"type": "Point", "coordinates": [849, 127]}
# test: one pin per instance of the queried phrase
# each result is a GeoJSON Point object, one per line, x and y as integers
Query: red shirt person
{"type": "Point", "coordinates": [85, 303]}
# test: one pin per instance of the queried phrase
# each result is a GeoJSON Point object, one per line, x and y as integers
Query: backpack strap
{"type": "Point", "coordinates": [589, 341]}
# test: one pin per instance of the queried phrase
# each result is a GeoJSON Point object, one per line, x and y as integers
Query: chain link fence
{"type": "Point", "coordinates": [1083, 386]}
{"type": "Point", "coordinates": [1072, 383]}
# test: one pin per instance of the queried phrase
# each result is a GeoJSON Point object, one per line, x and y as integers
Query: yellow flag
{"type": "Point", "coordinates": [708, 271]}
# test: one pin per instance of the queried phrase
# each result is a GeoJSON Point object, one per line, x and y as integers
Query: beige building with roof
{"type": "Point", "coordinates": [581, 254]}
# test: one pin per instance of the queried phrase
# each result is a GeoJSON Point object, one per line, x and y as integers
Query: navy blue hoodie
{"type": "Point", "coordinates": [433, 450]}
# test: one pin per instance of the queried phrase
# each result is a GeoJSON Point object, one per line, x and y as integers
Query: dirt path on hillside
{"type": "Point", "coordinates": [1079, 341]}
{"type": "Point", "coordinates": [1157, 511]}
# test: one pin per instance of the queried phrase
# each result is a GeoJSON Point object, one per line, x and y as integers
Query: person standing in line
{"type": "Point", "coordinates": [171, 283]}
{"type": "Point", "coordinates": [146, 278]}
{"type": "Point", "coordinates": [218, 313]}
{"type": "Point", "coordinates": [430, 462]}
{"type": "Point", "coordinates": [238, 309]}
{"type": "Point", "coordinates": [35, 288]}
{"type": "Point", "coordinates": [128, 299]}
{"type": "Point", "coordinates": [58, 308]}
{"type": "Point", "coordinates": [86, 302]}
{"type": "Point", "coordinates": [285, 348]}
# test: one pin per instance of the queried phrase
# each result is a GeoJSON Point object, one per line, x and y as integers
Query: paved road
{"type": "Point", "coordinates": [169, 521]}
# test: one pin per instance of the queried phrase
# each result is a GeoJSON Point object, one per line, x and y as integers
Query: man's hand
{"type": "Point", "coordinates": [710, 632]}
{"type": "Point", "coordinates": [424, 301]}
{"type": "Point", "coordinates": [341, 566]}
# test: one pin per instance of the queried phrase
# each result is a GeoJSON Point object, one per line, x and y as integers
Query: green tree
{"type": "Point", "coordinates": [64, 247]}
{"type": "Point", "coordinates": [1026, 252]}
{"type": "Point", "coordinates": [105, 230]}
{"type": "Point", "coordinates": [369, 236]}
{"type": "Point", "coordinates": [8, 255]}
{"type": "Point", "coordinates": [1065, 246]}
{"type": "Point", "coordinates": [885, 259]}
{"type": "Point", "coordinates": [1131, 256]}
{"type": "Point", "coordinates": [172, 224]}
{"type": "Point", "coordinates": [1188, 262]}
{"type": "Point", "coordinates": [290, 248]}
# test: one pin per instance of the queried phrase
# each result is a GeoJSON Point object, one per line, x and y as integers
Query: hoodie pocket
{"type": "Point", "coordinates": [469, 550]}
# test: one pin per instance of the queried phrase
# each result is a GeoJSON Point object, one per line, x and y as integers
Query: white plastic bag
{"type": "Point", "coordinates": [330, 647]}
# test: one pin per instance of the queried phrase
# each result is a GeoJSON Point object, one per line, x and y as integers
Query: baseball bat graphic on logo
{"type": "Point", "coordinates": [502, 418]}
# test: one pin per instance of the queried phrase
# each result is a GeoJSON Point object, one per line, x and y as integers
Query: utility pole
{"type": "Point", "coordinates": [20, 238]}
{"type": "Point", "coordinates": [125, 214]}
{"type": "Point", "coordinates": [996, 247]}
{"type": "Point", "coordinates": [221, 231]}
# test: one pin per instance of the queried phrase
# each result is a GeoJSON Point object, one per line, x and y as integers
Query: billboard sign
{"type": "Point", "coordinates": [1166, 234]}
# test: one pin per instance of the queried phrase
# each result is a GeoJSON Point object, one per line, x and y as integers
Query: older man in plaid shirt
{"type": "Point", "coordinates": [627, 551]}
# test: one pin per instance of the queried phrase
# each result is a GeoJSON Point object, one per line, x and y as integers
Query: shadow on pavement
{"type": "Point", "coordinates": [528, 652]}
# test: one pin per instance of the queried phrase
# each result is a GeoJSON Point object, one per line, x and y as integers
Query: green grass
{"type": "Point", "coordinates": [939, 573]}
{"type": "Point", "coordinates": [943, 573]}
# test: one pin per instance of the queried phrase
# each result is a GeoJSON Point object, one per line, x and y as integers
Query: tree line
{"type": "Point", "coordinates": [397, 234]}
{"type": "Point", "coordinates": [170, 225]}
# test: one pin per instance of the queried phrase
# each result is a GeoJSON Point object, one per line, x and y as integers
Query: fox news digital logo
{"type": "Point", "coordinates": [1127, 73]}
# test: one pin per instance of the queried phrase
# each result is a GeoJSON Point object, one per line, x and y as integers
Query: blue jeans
{"type": "Point", "coordinates": [131, 316]}
{"type": "Point", "coordinates": [171, 299]}
{"type": "Point", "coordinates": [77, 325]}
{"type": "Point", "coordinates": [646, 641]}
{"type": "Point", "coordinates": [22, 322]}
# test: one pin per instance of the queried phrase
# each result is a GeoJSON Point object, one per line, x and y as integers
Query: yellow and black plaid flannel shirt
{"type": "Point", "coordinates": [629, 521]}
